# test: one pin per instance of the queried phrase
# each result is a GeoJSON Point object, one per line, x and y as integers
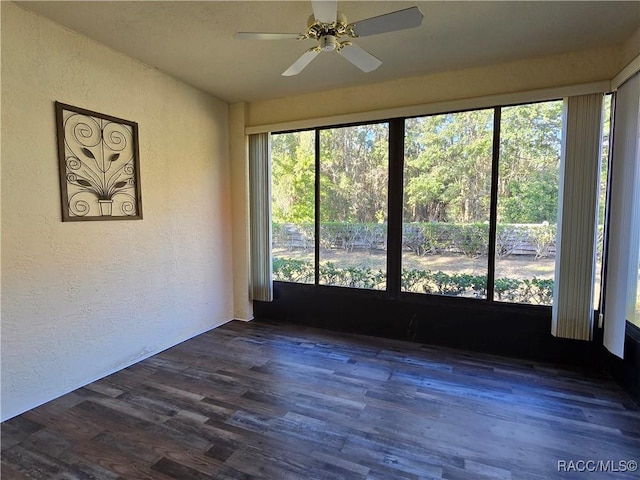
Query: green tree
{"type": "Point", "coordinates": [448, 167]}
{"type": "Point", "coordinates": [293, 177]}
{"type": "Point", "coordinates": [530, 143]}
{"type": "Point", "coordinates": [354, 173]}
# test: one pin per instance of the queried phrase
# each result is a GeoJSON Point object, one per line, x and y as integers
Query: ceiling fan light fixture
{"type": "Point", "coordinates": [328, 43]}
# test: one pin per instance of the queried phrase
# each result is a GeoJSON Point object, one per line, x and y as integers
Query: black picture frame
{"type": "Point", "coordinates": [99, 161]}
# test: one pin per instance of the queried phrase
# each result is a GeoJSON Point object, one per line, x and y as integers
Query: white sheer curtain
{"type": "Point", "coordinates": [572, 314]}
{"type": "Point", "coordinates": [260, 216]}
{"type": "Point", "coordinates": [624, 217]}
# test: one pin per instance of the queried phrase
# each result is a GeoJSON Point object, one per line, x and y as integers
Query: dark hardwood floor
{"type": "Point", "coordinates": [277, 401]}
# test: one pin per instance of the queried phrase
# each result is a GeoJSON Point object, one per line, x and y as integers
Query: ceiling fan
{"type": "Point", "coordinates": [327, 25]}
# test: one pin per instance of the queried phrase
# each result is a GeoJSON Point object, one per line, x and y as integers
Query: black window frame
{"type": "Point", "coordinates": [395, 210]}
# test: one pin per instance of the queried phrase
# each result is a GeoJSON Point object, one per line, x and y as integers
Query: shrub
{"type": "Point", "coordinates": [470, 238]}
{"type": "Point", "coordinates": [290, 270]}
{"type": "Point", "coordinates": [458, 284]}
{"type": "Point", "coordinates": [353, 277]}
{"type": "Point", "coordinates": [506, 289]}
{"type": "Point", "coordinates": [544, 238]}
{"type": "Point", "coordinates": [535, 290]}
{"type": "Point", "coordinates": [538, 291]}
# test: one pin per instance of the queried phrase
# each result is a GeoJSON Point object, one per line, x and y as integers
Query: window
{"type": "Point", "coordinates": [447, 196]}
{"type": "Point", "coordinates": [353, 178]}
{"type": "Point", "coordinates": [475, 214]}
{"type": "Point", "coordinates": [354, 172]}
{"type": "Point", "coordinates": [293, 206]}
{"type": "Point", "coordinates": [527, 208]}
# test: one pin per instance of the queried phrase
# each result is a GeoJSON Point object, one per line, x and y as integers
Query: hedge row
{"type": "Point", "coordinates": [536, 291]}
{"type": "Point", "coordinates": [470, 239]}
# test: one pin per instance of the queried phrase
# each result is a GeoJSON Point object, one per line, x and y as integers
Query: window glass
{"type": "Point", "coordinates": [602, 201]}
{"type": "Point", "coordinates": [354, 173]}
{"type": "Point", "coordinates": [530, 145]}
{"type": "Point", "coordinates": [446, 203]}
{"type": "Point", "coordinates": [293, 206]}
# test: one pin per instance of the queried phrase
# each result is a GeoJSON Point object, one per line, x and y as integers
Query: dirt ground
{"type": "Point", "coordinates": [520, 266]}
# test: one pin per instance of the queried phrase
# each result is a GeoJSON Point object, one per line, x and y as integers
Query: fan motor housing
{"type": "Point", "coordinates": [318, 30]}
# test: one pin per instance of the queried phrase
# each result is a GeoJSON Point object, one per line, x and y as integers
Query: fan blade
{"type": "Point", "coordinates": [302, 62]}
{"type": "Point", "coordinates": [267, 36]}
{"type": "Point", "coordinates": [390, 22]}
{"type": "Point", "coordinates": [359, 57]}
{"type": "Point", "coordinates": [325, 11]}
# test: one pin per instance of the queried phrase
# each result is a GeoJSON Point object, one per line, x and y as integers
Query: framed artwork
{"type": "Point", "coordinates": [99, 166]}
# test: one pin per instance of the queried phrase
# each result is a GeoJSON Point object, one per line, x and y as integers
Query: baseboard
{"type": "Point", "coordinates": [110, 371]}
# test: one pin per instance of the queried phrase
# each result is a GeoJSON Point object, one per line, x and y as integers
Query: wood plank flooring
{"type": "Point", "coordinates": [277, 401]}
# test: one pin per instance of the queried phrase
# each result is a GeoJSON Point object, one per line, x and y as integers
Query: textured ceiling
{"type": "Point", "coordinates": [193, 41]}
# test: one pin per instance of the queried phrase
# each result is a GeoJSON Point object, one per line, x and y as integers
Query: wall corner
{"type": "Point", "coordinates": [238, 154]}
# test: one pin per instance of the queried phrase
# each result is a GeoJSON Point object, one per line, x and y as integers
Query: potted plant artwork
{"type": "Point", "coordinates": [99, 171]}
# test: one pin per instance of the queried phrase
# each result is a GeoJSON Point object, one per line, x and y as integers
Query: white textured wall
{"type": "Point", "coordinates": [83, 299]}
